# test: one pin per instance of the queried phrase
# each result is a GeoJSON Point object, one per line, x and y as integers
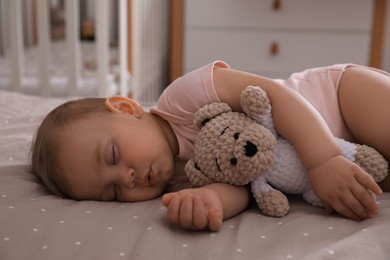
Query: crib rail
{"type": "Point", "coordinates": [150, 48]}
{"type": "Point", "coordinates": [72, 46]}
{"type": "Point", "coordinates": [16, 44]}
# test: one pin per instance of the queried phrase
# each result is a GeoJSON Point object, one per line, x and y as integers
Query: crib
{"type": "Point", "coordinates": [34, 59]}
{"type": "Point", "coordinates": [59, 63]}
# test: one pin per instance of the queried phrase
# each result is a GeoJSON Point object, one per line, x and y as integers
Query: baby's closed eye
{"type": "Point", "coordinates": [113, 155]}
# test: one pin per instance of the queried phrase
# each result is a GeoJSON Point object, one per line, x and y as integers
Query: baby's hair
{"type": "Point", "coordinates": [48, 138]}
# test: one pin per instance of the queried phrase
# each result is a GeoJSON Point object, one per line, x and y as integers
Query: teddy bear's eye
{"type": "Point", "coordinates": [236, 135]}
{"type": "Point", "coordinates": [233, 161]}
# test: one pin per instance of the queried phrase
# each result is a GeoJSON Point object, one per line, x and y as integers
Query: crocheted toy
{"type": "Point", "coordinates": [238, 149]}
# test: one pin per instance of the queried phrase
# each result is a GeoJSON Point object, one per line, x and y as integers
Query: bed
{"type": "Point", "coordinates": [35, 224]}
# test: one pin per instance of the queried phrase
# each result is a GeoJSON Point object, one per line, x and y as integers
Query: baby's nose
{"type": "Point", "coordinates": [130, 181]}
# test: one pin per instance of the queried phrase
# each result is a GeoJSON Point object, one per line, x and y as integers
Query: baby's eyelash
{"type": "Point", "coordinates": [113, 156]}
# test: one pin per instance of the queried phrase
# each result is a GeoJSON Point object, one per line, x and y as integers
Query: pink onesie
{"type": "Point", "coordinates": [187, 94]}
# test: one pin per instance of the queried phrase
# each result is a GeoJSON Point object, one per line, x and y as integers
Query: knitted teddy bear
{"type": "Point", "coordinates": [241, 148]}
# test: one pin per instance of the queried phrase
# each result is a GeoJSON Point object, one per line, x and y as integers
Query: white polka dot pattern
{"type": "Point", "coordinates": [37, 225]}
{"type": "Point", "coordinates": [124, 229]}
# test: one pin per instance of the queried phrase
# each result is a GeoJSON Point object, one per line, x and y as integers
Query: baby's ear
{"type": "Point", "coordinates": [121, 104]}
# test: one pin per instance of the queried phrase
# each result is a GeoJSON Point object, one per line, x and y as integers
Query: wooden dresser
{"type": "Point", "coordinates": [275, 37]}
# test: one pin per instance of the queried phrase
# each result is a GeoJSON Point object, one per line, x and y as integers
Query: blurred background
{"type": "Point", "coordinates": [167, 38]}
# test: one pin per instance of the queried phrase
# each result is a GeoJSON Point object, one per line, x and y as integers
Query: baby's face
{"type": "Point", "coordinates": [115, 157]}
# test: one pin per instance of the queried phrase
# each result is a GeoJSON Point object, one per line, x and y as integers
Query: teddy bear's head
{"type": "Point", "coordinates": [231, 147]}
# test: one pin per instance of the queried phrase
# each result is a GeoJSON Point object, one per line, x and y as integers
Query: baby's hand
{"type": "Point", "coordinates": [194, 209]}
{"type": "Point", "coordinates": [344, 187]}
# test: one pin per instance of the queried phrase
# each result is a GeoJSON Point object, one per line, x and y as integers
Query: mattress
{"type": "Point", "coordinates": [35, 224]}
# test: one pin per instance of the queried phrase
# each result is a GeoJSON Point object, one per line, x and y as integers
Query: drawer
{"type": "Point", "coordinates": [293, 52]}
{"type": "Point", "coordinates": [302, 14]}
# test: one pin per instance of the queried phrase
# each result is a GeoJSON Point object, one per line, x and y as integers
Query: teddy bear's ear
{"type": "Point", "coordinates": [208, 112]}
{"type": "Point", "coordinates": [256, 104]}
{"type": "Point", "coordinates": [254, 101]}
{"type": "Point", "coordinates": [195, 175]}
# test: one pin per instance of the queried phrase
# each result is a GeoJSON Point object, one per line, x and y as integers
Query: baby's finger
{"type": "Point", "coordinates": [200, 216]}
{"type": "Point", "coordinates": [186, 212]}
{"type": "Point", "coordinates": [174, 210]}
{"type": "Point", "coordinates": [369, 183]}
{"type": "Point", "coordinates": [354, 204]}
{"type": "Point", "coordinates": [343, 209]}
{"type": "Point", "coordinates": [366, 200]}
{"type": "Point", "coordinates": [215, 219]}
{"type": "Point", "coordinates": [166, 199]}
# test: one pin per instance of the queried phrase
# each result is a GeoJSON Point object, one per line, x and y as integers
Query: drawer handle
{"type": "Point", "coordinates": [277, 4]}
{"type": "Point", "coordinates": [274, 49]}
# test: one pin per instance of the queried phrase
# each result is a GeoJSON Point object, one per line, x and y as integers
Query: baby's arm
{"type": "Point", "coordinates": [339, 183]}
{"type": "Point", "coordinates": [205, 207]}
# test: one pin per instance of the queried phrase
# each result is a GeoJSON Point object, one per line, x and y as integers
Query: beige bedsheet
{"type": "Point", "coordinates": [37, 225]}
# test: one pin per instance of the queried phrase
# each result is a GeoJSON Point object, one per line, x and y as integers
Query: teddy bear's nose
{"type": "Point", "coordinates": [250, 149]}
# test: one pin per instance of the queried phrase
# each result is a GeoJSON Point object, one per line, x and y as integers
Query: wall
{"type": "Point", "coordinates": [386, 55]}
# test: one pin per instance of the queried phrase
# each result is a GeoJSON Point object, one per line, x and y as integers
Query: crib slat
{"type": "Point", "coordinates": [29, 25]}
{"type": "Point", "coordinates": [73, 45]}
{"type": "Point", "coordinates": [4, 19]}
{"type": "Point", "coordinates": [102, 46]}
{"type": "Point", "coordinates": [43, 46]}
{"type": "Point", "coordinates": [123, 66]}
{"type": "Point", "coordinates": [136, 49]}
{"type": "Point", "coordinates": [16, 47]}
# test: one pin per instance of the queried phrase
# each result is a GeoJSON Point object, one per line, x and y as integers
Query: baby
{"type": "Point", "coordinates": [112, 150]}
